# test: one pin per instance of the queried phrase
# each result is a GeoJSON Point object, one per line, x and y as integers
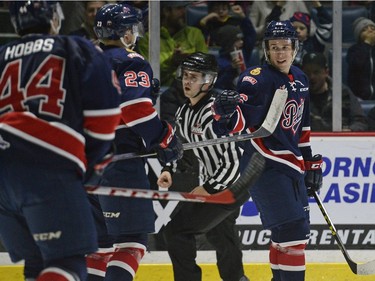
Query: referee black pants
{"type": "Point", "coordinates": [217, 222]}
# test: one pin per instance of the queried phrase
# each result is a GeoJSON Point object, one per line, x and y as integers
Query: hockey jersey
{"type": "Point", "coordinates": [140, 128]}
{"type": "Point", "coordinates": [59, 92]}
{"type": "Point", "coordinates": [289, 145]}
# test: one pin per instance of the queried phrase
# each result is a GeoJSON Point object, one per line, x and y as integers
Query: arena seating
{"type": "Point", "coordinates": [194, 13]}
{"type": "Point", "coordinates": [344, 64]}
{"type": "Point", "coordinates": [349, 14]}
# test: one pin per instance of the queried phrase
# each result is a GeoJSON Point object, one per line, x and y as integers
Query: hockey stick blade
{"type": "Point", "coordinates": [266, 129]}
{"type": "Point", "coordinates": [359, 269]}
{"type": "Point", "coordinates": [227, 196]}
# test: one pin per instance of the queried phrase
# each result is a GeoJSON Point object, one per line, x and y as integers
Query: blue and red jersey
{"type": "Point", "coordinates": [59, 92]}
{"type": "Point", "coordinates": [140, 127]}
{"type": "Point", "coordinates": [289, 145]}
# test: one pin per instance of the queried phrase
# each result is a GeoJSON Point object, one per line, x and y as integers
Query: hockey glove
{"type": "Point", "coordinates": [224, 105]}
{"type": "Point", "coordinates": [170, 147]}
{"type": "Point", "coordinates": [313, 176]}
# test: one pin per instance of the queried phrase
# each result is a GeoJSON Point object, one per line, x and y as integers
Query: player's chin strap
{"type": "Point", "coordinates": [132, 44]}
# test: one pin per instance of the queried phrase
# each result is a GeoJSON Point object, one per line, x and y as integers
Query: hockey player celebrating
{"type": "Point", "coordinates": [291, 173]}
{"type": "Point", "coordinates": [127, 220]}
{"type": "Point", "coordinates": [220, 168]}
{"type": "Point", "coordinates": [58, 114]}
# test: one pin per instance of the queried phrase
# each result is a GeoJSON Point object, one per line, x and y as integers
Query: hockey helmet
{"type": "Point", "coordinates": [200, 62]}
{"type": "Point", "coordinates": [280, 30]}
{"type": "Point", "coordinates": [113, 20]}
{"type": "Point", "coordinates": [26, 15]}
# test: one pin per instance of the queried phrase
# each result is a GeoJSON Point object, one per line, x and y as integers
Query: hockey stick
{"type": "Point", "coordinates": [266, 129]}
{"type": "Point", "coordinates": [227, 196]}
{"type": "Point", "coordinates": [359, 269]}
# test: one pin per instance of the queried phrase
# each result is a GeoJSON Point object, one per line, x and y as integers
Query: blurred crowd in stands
{"type": "Point", "coordinates": [232, 31]}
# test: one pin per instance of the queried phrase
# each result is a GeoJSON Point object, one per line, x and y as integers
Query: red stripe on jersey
{"type": "Point", "coordinates": [58, 140]}
{"type": "Point", "coordinates": [137, 111]}
{"type": "Point", "coordinates": [101, 124]}
{"type": "Point", "coordinates": [305, 136]}
{"type": "Point", "coordinates": [295, 163]}
{"type": "Point", "coordinates": [240, 122]}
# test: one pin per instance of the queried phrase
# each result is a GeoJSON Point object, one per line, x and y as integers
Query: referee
{"type": "Point", "coordinates": [220, 168]}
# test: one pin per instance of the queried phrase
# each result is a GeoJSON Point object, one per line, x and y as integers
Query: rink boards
{"type": "Point", "coordinates": [156, 266]}
{"type": "Point", "coordinates": [348, 195]}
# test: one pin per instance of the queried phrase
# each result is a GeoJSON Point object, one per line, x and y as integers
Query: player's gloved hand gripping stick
{"type": "Point", "coordinates": [313, 182]}
{"type": "Point", "coordinates": [313, 176]}
{"type": "Point", "coordinates": [170, 146]}
{"type": "Point", "coordinates": [266, 129]}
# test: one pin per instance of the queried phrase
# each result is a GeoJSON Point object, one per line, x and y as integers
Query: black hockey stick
{"type": "Point", "coordinates": [266, 129]}
{"type": "Point", "coordinates": [359, 269]}
{"type": "Point", "coordinates": [228, 196]}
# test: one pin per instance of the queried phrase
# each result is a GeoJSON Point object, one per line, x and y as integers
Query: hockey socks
{"type": "Point", "coordinates": [57, 274]}
{"type": "Point", "coordinates": [288, 262]}
{"type": "Point", "coordinates": [97, 264]}
{"type": "Point", "coordinates": [125, 261]}
{"type": "Point", "coordinates": [66, 269]}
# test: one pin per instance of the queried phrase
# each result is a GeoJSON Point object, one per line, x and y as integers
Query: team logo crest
{"type": "Point", "coordinates": [255, 71]}
{"type": "Point", "coordinates": [292, 115]}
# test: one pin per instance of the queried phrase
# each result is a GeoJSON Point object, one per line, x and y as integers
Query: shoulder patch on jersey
{"type": "Point", "coordinates": [255, 71]}
{"type": "Point", "coordinates": [135, 55]}
{"type": "Point", "coordinates": [250, 79]}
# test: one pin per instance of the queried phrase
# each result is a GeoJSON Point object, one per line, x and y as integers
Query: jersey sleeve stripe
{"type": "Point", "coordinates": [102, 112]}
{"type": "Point", "coordinates": [136, 113]}
{"type": "Point", "coordinates": [305, 135]}
{"type": "Point", "coordinates": [240, 122]}
{"type": "Point", "coordinates": [101, 126]}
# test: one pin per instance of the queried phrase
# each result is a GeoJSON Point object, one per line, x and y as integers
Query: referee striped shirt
{"type": "Point", "coordinates": [219, 163]}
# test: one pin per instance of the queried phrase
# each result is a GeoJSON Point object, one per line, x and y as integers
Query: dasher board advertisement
{"type": "Point", "coordinates": [348, 194]}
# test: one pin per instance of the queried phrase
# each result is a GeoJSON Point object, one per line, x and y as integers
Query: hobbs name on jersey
{"type": "Point", "coordinates": [31, 47]}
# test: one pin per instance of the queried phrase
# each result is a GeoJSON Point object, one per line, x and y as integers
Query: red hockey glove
{"type": "Point", "coordinates": [170, 146]}
{"type": "Point", "coordinates": [313, 175]}
{"type": "Point", "coordinates": [224, 105]}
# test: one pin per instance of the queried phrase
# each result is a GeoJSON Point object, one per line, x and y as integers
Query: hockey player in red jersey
{"type": "Point", "coordinates": [127, 221]}
{"type": "Point", "coordinates": [292, 173]}
{"type": "Point", "coordinates": [58, 114]}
